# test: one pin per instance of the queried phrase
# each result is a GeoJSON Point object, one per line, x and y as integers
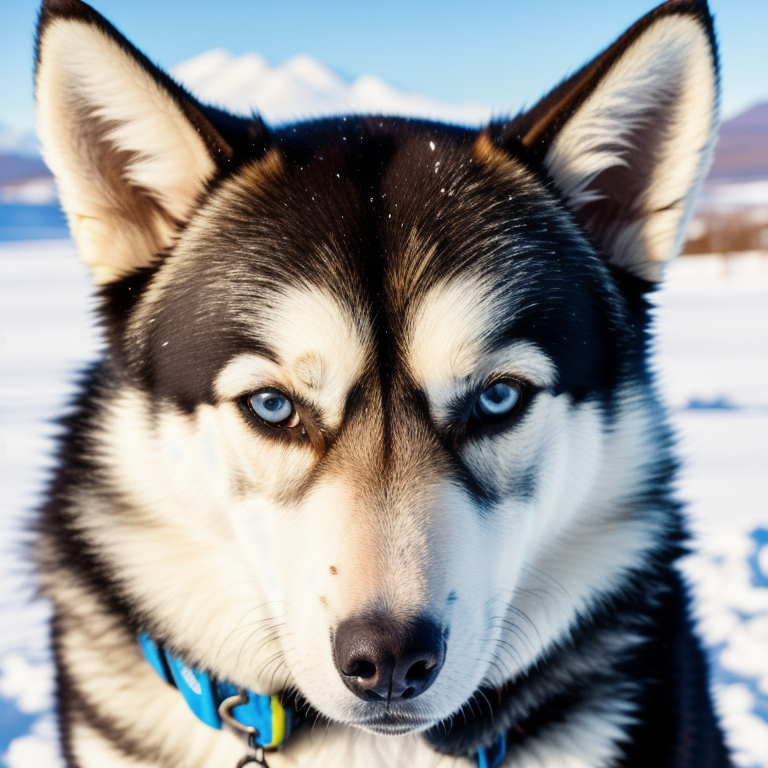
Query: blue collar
{"type": "Point", "coordinates": [263, 718]}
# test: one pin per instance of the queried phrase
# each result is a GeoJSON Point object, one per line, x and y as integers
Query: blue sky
{"type": "Point", "coordinates": [504, 53]}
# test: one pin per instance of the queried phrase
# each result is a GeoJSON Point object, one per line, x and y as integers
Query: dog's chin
{"type": "Point", "coordinates": [398, 719]}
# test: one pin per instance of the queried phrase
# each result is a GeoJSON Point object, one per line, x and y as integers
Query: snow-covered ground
{"type": "Point", "coordinates": [713, 359]}
{"type": "Point", "coordinates": [713, 363]}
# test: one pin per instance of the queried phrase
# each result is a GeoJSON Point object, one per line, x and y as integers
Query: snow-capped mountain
{"type": "Point", "coordinates": [302, 88]}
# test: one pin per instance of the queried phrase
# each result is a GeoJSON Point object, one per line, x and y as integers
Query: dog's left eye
{"type": "Point", "coordinates": [500, 401]}
{"type": "Point", "coordinates": [273, 407]}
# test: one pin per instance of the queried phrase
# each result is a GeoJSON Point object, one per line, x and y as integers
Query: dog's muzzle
{"type": "Point", "coordinates": [381, 659]}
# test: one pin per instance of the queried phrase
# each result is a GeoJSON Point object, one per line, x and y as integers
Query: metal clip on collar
{"type": "Point", "coordinates": [255, 754]}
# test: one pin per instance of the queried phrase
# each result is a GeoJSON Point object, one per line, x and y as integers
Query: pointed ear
{"type": "Point", "coordinates": [131, 150]}
{"type": "Point", "coordinates": [628, 139]}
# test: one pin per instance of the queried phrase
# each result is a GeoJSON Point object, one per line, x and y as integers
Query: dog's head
{"type": "Point", "coordinates": [374, 420]}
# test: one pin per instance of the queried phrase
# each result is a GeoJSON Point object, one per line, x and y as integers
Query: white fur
{"type": "Point", "coordinates": [81, 67]}
{"type": "Point", "coordinates": [674, 49]}
{"type": "Point", "coordinates": [446, 334]}
{"type": "Point", "coordinates": [405, 548]}
{"type": "Point", "coordinates": [92, 750]}
{"type": "Point", "coordinates": [219, 608]}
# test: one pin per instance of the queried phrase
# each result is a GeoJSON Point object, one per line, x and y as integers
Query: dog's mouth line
{"type": "Point", "coordinates": [392, 723]}
{"type": "Point", "coordinates": [394, 727]}
{"type": "Point", "coordinates": [391, 730]}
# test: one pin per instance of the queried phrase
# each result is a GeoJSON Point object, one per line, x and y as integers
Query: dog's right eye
{"type": "Point", "coordinates": [273, 407]}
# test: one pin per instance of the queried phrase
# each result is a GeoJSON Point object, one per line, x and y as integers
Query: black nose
{"type": "Point", "coordinates": [384, 660]}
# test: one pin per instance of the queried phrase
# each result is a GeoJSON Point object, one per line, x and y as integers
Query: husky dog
{"type": "Point", "coordinates": [373, 471]}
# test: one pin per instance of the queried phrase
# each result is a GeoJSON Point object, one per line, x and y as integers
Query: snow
{"type": "Point", "coordinates": [723, 196]}
{"type": "Point", "coordinates": [30, 684]}
{"type": "Point", "coordinates": [712, 359]}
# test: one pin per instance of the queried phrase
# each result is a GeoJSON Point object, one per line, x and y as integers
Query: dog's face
{"type": "Point", "coordinates": [382, 414]}
{"type": "Point", "coordinates": [384, 424]}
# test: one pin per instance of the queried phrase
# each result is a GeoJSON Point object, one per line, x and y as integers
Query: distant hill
{"type": "Point", "coordinates": [17, 168]}
{"type": "Point", "coordinates": [26, 180]}
{"type": "Point", "coordinates": [742, 150]}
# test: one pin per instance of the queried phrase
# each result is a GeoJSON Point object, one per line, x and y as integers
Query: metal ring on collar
{"type": "Point", "coordinates": [225, 713]}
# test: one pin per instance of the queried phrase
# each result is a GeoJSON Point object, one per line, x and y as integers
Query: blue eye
{"type": "Point", "coordinates": [274, 407]}
{"type": "Point", "coordinates": [499, 400]}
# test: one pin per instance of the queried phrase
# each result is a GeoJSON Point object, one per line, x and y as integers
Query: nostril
{"type": "Point", "coordinates": [420, 671]}
{"type": "Point", "coordinates": [361, 670]}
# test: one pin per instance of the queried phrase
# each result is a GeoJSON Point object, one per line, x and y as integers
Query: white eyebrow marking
{"type": "Point", "coordinates": [321, 349]}
{"type": "Point", "coordinates": [447, 345]}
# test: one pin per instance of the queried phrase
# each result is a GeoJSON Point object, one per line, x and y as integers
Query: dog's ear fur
{"type": "Point", "coordinates": [628, 139]}
{"type": "Point", "coordinates": [131, 151]}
